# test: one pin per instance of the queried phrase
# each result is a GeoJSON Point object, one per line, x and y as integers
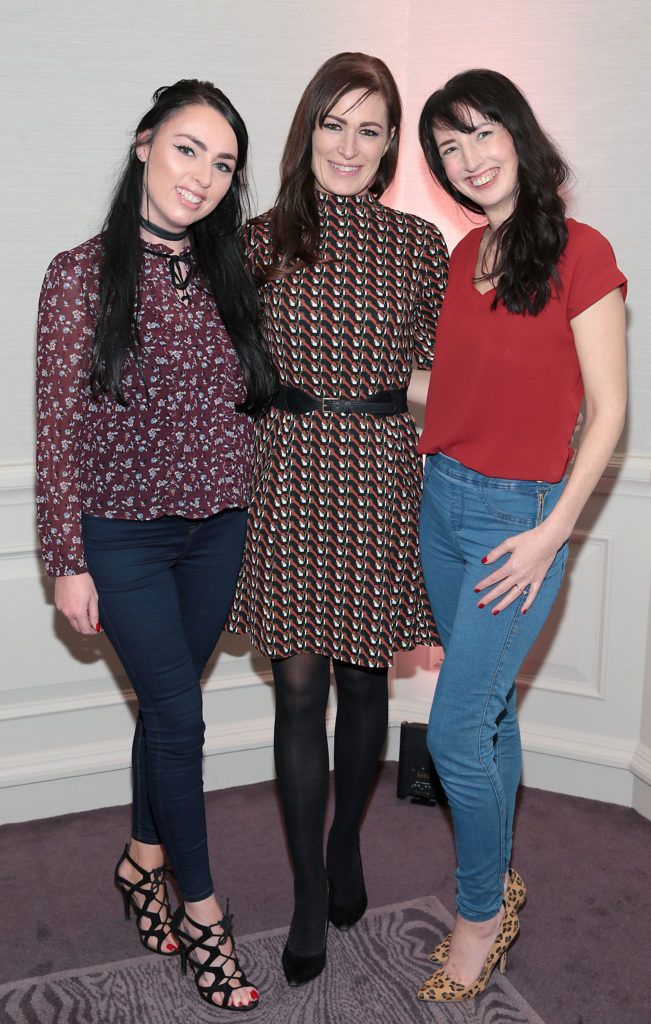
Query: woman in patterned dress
{"type": "Point", "coordinates": [350, 294]}
{"type": "Point", "coordinates": [150, 368]}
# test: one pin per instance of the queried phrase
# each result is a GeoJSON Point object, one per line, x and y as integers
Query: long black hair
{"type": "Point", "coordinates": [529, 244]}
{"type": "Point", "coordinates": [217, 251]}
{"type": "Point", "coordinates": [294, 219]}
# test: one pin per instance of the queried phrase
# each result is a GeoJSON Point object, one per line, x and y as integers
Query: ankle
{"type": "Point", "coordinates": [478, 931]}
{"type": "Point", "coordinates": [206, 912]}
{"type": "Point", "coordinates": [146, 855]}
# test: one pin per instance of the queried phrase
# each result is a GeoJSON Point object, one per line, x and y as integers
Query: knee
{"type": "Point", "coordinates": [437, 744]}
{"type": "Point", "coordinates": [180, 728]}
{"type": "Point", "coordinates": [451, 747]}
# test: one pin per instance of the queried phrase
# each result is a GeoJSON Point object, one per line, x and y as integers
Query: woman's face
{"type": "Point", "coordinates": [348, 147]}
{"type": "Point", "coordinates": [189, 166]}
{"type": "Point", "coordinates": [481, 164]}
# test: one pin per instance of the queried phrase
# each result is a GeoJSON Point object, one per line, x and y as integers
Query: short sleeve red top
{"type": "Point", "coordinates": [506, 388]}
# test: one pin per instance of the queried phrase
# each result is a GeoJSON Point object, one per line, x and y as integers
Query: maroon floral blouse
{"type": "Point", "coordinates": [178, 447]}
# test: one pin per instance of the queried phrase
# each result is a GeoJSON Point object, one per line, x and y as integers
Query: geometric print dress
{"type": "Point", "coordinates": [331, 562]}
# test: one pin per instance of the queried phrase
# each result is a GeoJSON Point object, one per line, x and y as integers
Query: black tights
{"type": "Point", "coordinates": [301, 751]}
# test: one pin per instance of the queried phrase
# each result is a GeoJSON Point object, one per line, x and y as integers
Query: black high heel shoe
{"type": "Point", "coordinates": [142, 895]}
{"type": "Point", "coordinates": [221, 982]}
{"type": "Point", "coordinates": [301, 969]}
{"type": "Point", "coordinates": [345, 916]}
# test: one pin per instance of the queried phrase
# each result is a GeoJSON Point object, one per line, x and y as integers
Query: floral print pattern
{"type": "Point", "coordinates": [178, 446]}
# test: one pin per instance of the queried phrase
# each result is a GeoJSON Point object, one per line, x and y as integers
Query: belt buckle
{"type": "Point", "coordinates": [327, 403]}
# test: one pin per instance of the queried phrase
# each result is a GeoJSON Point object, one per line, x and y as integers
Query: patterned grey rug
{"type": "Point", "coordinates": [371, 977]}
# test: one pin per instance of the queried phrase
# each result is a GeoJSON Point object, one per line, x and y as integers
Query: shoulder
{"type": "Point", "coordinates": [257, 231]}
{"type": "Point", "coordinates": [588, 267]}
{"type": "Point", "coordinates": [409, 223]}
{"type": "Point", "coordinates": [582, 240]}
{"type": "Point", "coordinates": [82, 261]}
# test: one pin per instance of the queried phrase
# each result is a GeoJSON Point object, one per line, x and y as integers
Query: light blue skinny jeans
{"type": "Point", "coordinates": [473, 734]}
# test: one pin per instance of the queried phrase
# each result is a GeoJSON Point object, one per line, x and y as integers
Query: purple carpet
{"type": "Point", "coordinates": [371, 977]}
{"type": "Point", "coordinates": [584, 951]}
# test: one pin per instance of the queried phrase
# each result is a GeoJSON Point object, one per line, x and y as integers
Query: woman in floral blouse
{"type": "Point", "coordinates": [150, 370]}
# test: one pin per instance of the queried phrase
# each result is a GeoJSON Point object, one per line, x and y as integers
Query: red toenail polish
{"type": "Point", "coordinates": [254, 995]}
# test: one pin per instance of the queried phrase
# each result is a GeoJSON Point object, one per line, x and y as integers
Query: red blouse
{"type": "Point", "coordinates": [506, 389]}
{"type": "Point", "coordinates": [179, 447]}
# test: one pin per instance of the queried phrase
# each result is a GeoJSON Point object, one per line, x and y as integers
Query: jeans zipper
{"type": "Point", "coordinates": [541, 502]}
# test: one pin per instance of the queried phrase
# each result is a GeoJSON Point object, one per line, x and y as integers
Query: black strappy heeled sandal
{"type": "Point", "coordinates": [214, 951]}
{"type": "Point", "coordinates": [141, 895]}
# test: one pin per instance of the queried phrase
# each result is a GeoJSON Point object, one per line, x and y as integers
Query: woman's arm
{"type": "Point", "coordinates": [65, 332]}
{"type": "Point", "coordinates": [599, 337]}
{"type": "Point", "coordinates": [418, 387]}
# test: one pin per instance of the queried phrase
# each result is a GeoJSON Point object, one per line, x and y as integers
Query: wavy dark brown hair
{"type": "Point", "coordinates": [529, 244]}
{"type": "Point", "coordinates": [294, 219]}
{"type": "Point", "coordinates": [216, 247]}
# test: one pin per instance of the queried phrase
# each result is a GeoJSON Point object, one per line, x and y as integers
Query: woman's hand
{"type": "Point", "coordinates": [532, 553]}
{"type": "Point", "coordinates": [76, 598]}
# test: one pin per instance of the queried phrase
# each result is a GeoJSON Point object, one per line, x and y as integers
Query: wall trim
{"type": "Point", "coordinates": [570, 744]}
{"type": "Point", "coordinates": [597, 691]}
{"type": "Point", "coordinates": [236, 737]}
{"type": "Point", "coordinates": [641, 763]}
{"type": "Point", "coordinates": [94, 758]}
{"type": "Point", "coordinates": [89, 759]}
{"type": "Point", "coordinates": [113, 695]}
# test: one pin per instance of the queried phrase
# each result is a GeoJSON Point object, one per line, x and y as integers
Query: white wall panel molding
{"type": "Point", "coordinates": [115, 755]}
{"type": "Point", "coordinates": [602, 758]}
{"type": "Point", "coordinates": [571, 744]}
{"type": "Point", "coordinates": [641, 763]}
{"type": "Point", "coordinates": [113, 695]}
{"type": "Point", "coordinates": [571, 654]}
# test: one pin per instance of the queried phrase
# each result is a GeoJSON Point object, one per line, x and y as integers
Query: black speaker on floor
{"type": "Point", "coordinates": [417, 776]}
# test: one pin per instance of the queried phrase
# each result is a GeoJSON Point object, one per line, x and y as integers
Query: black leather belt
{"type": "Point", "coordinates": [298, 402]}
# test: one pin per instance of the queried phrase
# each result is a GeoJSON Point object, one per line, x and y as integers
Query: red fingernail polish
{"type": "Point", "coordinates": [496, 611]}
{"type": "Point", "coordinates": [98, 628]}
{"type": "Point", "coordinates": [477, 590]}
{"type": "Point", "coordinates": [484, 560]}
{"type": "Point", "coordinates": [480, 605]}
{"type": "Point", "coordinates": [524, 611]}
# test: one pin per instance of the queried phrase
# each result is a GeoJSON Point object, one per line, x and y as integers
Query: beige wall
{"type": "Point", "coordinates": [74, 79]}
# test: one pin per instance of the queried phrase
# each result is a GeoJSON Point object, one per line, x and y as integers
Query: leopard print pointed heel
{"type": "Point", "coordinates": [515, 897]}
{"type": "Point", "coordinates": [441, 988]}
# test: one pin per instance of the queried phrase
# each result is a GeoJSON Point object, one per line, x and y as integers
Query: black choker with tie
{"type": "Point", "coordinates": [180, 277]}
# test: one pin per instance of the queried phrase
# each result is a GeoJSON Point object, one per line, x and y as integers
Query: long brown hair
{"type": "Point", "coordinates": [530, 242]}
{"type": "Point", "coordinates": [294, 219]}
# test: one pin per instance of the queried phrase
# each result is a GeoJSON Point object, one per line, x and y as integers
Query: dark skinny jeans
{"type": "Point", "coordinates": [165, 588]}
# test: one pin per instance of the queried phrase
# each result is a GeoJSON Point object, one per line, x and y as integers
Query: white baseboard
{"type": "Point", "coordinates": [97, 774]}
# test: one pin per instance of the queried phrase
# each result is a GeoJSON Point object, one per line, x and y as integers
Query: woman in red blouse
{"type": "Point", "coordinates": [532, 322]}
{"type": "Point", "coordinates": [150, 370]}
